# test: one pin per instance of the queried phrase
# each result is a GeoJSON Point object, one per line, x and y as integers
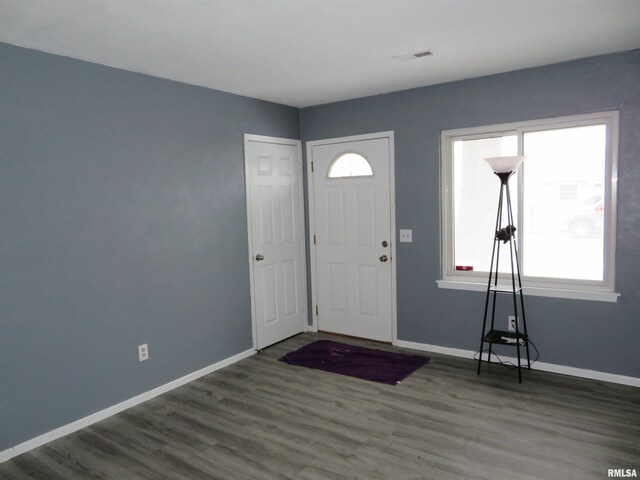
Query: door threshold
{"type": "Point", "coordinates": [353, 337]}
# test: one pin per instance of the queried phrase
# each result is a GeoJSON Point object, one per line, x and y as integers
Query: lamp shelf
{"type": "Point", "coordinates": [504, 289]}
{"type": "Point", "coordinates": [499, 336]}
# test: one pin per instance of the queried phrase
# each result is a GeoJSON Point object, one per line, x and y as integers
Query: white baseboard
{"type": "Point", "coordinates": [542, 366]}
{"type": "Point", "coordinates": [108, 412]}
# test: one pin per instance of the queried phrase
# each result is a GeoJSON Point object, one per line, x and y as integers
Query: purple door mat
{"type": "Point", "coordinates": [365, 363]}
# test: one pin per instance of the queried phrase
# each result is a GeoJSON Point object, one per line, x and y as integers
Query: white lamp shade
{"type": "Point", "coordinates": [505, 164]}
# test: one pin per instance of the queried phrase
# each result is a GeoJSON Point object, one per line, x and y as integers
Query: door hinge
{"type": "Point", "coordinates": [316, 310]}
{"type": "Point", "coordinates": [314, 239]}
{"type": "Point", "coordinates": [312, 166]}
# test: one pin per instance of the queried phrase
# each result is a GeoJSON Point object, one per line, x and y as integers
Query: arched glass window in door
{"type": "Point", "coordinates": [350, 165]}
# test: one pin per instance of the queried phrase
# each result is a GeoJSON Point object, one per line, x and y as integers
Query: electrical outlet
{"type": "Point", "coordinates": [406, 236]}
{"type": "Point", "coordinates": [143, 352]}
{"type": "Point", "coordinates": [511, 323]}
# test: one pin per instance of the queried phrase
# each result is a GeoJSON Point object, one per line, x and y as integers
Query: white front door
{"type": "Point", "coordinates": [353, 234]}
{"type": "Point", "coordinates": [273, 169]}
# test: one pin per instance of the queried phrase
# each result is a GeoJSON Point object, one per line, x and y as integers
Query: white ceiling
{"type": "Point", "coordinates": [308, 52]}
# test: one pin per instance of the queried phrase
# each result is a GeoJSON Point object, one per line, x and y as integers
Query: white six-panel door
{"type": "Point", "coordinates": [276, 238]}
{"type": "Point", "coordinates": [353, 235]}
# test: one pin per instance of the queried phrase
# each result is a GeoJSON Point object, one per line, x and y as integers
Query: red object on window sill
{"type": "Point", "coordinates": [464, 268]}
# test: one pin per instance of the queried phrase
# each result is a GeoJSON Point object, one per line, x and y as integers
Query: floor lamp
{"type": "Point", "coordinates": [504, 168]}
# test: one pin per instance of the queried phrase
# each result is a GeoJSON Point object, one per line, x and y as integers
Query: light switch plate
{"type": "Point", "coordinates": [406, 236]}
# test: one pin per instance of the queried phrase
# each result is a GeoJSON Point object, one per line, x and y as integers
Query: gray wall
{"type": "Point", "coordinates": [122, 222]}
{"type": "Point", "coordinates": [584, 334]}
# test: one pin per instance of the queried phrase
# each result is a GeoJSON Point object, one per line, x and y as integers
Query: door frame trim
{"type": "Point", "coordinates": [392, 207]}
{"type": "Point", "coordinates": [249, 137]}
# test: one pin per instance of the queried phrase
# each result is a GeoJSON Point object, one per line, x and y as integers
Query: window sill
{"type": "Point", "coordinates": [598, 296]}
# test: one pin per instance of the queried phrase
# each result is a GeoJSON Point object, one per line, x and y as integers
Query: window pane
{"type": "Point", "coordinates": [475, 202]}
{"type": "Point", "coordinates": [564, 178]}
{"type": "Point", "coordinates": [350, 165]}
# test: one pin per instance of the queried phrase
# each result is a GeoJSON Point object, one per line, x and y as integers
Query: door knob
{"type": "Point", "coordinates": [259, 258]}
{"type": "Point", "coordinates": [383, 258]}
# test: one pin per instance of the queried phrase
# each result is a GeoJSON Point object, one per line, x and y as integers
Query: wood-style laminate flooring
{"type": "Point", "coordinates": [264, 419]}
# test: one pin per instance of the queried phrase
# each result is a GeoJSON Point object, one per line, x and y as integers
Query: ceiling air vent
{"type": "Point", "coordinates": [412, 56]}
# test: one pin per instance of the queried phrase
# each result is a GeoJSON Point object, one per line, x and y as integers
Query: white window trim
{"type": "Point", "coordinates": [477, 281]}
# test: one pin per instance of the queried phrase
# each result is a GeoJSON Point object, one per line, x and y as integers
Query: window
{"type": "Point", "coordinates": [563, 197]}
{"type": "Point", "coordinates": [350, 165]}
